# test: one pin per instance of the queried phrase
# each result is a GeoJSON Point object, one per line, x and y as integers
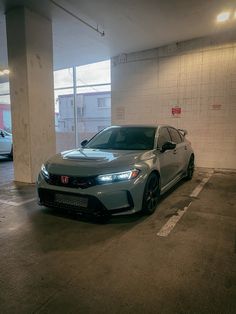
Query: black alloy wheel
{"type": "Point", "coordinates": [151, 194]}
{"type": "Point", "coordinates": [190, 169]}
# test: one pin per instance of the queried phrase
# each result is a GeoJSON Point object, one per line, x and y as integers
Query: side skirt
{"type": "Point", "coordinates": [169, 185]}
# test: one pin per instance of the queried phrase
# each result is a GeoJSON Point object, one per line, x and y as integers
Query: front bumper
{"type": "Point", "coordinates": [112, 199]}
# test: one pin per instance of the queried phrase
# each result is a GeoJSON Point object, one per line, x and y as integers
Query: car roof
{"type": "Point", "coordinates": [143, 125]}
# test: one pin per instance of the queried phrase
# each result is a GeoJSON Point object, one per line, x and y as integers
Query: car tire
{"type": "Point", "coordinates": [151, 194]}
{"type": "Point", "coordinates": [190, 169]}
{"type": "Point", "coordinates": [10, 156]}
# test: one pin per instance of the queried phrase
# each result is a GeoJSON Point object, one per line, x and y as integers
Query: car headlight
{"type": "Point", "coordinates": [44, 171]}
{"type": "Point", "coordinates": [118, 176]}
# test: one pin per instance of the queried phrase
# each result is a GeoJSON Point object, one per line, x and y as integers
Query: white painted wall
{"type": "Point", "coordinates": [200, 77]}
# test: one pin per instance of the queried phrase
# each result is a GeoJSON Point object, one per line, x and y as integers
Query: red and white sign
{"type": "Point", "coordinates": [176, 111]}
{"type": "Point", "coordinates": [216, 107]}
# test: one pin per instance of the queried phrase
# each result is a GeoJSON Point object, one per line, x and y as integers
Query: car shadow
{"type": "Point", "coordinates": [85, 218]}
{"type": "Point", "coordinates": [172, 189]}
{"type": "Point", "coordinates": [57, 230]}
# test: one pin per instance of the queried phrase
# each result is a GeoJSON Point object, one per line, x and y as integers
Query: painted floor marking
{"type": "Point", "coordinates": [166, 229]}
{"type": "Point", "coordinates": [170, 224]}
{"type": "Point", "coordinates": [17, 203]}
{"type": "Point", "coordinates": [200, 186]}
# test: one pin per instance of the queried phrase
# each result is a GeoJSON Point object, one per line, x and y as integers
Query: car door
{"type": "Point", "coordinates": [180, 150]}
{"type": "Point", "coordinates": [5, 142]}
{"type": "Point", "coordinates": [167, 159]}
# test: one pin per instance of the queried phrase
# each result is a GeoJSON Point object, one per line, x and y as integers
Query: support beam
{"type": "Point", "coordinates": [30, 54]}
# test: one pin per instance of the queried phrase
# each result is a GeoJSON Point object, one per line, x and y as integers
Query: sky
{"type": "Point", "coordinates": [95, 73]}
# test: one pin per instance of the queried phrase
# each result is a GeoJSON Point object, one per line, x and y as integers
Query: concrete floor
{"type": "Point", "coordinates": [6, 170]}
{"type": "Point", "coordinates": [56, 263]}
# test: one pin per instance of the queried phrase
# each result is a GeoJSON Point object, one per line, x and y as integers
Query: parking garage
{"type": "Point", "coordinates": [68, 70]}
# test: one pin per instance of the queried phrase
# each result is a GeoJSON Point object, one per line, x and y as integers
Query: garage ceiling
{"type": "Point", "coordinates": [128, 25]}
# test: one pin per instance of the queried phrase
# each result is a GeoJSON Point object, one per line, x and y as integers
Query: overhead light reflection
{"type": "Point", "coordinates": [223, 17]}
{"type": "Point", "coordinates": [4, 72]}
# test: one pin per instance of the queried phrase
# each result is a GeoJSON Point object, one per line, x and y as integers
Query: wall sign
{"type": "Point", "coordinates": [176, 111]}
{"type": "Point", "coordinates": [216, 107]}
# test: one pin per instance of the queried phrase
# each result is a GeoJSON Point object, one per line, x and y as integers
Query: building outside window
{"type": "Point", "coordinates": [82, 103]}
{"type": "Point", "coordinates": [104, 102]}
{"type": "Point", "coordinates": [91, 118]}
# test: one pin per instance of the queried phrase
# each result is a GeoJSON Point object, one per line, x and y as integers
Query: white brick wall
{"type": "Point", "coordinates": [197, 75]}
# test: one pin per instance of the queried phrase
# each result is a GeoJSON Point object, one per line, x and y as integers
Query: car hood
{"type": "Point", "coordinates": [90, 162]}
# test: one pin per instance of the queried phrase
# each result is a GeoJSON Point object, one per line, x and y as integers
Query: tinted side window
{"type": "Point", "coordinates": [175, 136]}
{"type": "Point", "coordinates": [182, 137]}
{"type": "Point", "coordinates": [163, 137]}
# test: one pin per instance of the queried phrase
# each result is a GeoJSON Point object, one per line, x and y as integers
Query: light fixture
{"type": "Point", "coordinates": [223, 17]}
{"type": "Point", "coordinates": [44, 171]}
{"type": "Point", "coordinates": [118, 176]}
{"type": "Point", "coordinates": [4, 72]}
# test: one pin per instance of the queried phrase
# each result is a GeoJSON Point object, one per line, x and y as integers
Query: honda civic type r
{"type": "Point", "coordinates": [121, 170]}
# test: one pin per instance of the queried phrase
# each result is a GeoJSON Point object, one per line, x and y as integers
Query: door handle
{"type": "Point", "coordinates": [174, 151]}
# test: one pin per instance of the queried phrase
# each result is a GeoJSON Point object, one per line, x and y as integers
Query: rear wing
{"type": "Point", "coordinates": [183, 132]}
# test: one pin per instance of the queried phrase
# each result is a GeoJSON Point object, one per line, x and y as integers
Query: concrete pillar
{"type": "Point", "coordinates": [30, 57]}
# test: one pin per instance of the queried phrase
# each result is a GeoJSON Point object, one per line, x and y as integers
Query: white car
{"type": "Point", "coordinates": [6, 144]}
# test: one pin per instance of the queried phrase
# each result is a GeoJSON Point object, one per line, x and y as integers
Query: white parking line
{"type": "Point", "coordinates": [17, 203]}
{"type": "Point", "coordinates": [166, 229]}
{"type": "Point", "coordinates": [200, 186]}
{"type": "Point", "coordinates": [170, 224]}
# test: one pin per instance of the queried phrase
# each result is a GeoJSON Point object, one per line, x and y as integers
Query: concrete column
{"type": "Point", "coordinates": [30, 57]}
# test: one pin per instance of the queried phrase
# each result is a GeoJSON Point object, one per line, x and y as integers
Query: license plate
{"type": "Point", "coordinates": [71, 200]}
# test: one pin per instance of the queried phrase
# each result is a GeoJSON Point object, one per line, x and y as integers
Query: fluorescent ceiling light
{"type": "Point", "coordinates": [223, 17]}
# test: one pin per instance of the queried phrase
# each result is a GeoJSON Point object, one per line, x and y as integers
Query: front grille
{"type": "Point", "coordinates": [85, 203]}
{"type": "Point", "coordinates": [73, 181]}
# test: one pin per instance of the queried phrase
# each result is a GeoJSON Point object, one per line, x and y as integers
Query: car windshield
{"type": "Point", "coordinates": [124, 138]}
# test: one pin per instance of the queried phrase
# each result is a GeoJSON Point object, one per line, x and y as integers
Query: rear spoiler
{"type": "Point", "coordinates": [184, 132]}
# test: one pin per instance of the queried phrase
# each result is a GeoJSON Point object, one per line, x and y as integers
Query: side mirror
{"type": "Point", "coordinates": [184, 132]}
{"type": "Point", "coordinates": [83, 143]}
{"type": "Point", "coordinates": [168, 146]}
{"type": "Point", "coordinates": [2, 134]}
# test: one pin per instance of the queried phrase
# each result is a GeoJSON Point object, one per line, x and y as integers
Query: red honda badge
{"type": "Point", "coordinates": [64, 179]}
